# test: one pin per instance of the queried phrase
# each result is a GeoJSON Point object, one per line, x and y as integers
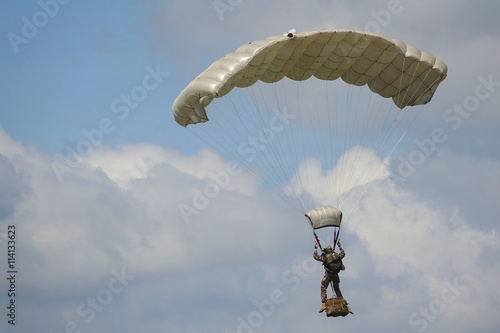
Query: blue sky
{"type": "Point", "coordinates": [68, 79]}
{"type": "Point", "coordinates": [103, 245]}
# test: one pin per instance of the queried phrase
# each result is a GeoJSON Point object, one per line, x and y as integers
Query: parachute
{"type": "Point", "coordinates": [391, 68]}
{"type": "Point", "coordinates": [275, 108]}
{"type": "Point", "coordinates": [349, 135]}
{"type": "Point", "coordinates": [322, 217]}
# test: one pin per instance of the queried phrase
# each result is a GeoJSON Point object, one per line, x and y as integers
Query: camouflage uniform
{"type": "Point", "coordinates": [330, 276]}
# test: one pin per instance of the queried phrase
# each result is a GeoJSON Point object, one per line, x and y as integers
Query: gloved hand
{"type": "Point", "coordinates": [315, 246]}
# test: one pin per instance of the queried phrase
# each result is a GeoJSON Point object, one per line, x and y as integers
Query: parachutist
{"type": "Point", "coordinates": [332, 262]}
{"type": "Point", "coordinates": [379, 62]}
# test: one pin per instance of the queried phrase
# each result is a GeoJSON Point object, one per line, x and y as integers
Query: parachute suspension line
{"type": "Point", "coordinates": [331, 151]}
{"type": "Point", "coordinates": [229, 131]}
{"type": "Point", "coordinates": [338, 151]}
{"type": "Point", "coordinates": [355, 152]}
{"type": "Point", "coordinates": [278, 156]}
{"type": "Point", "coordinates": [313, 112]}
{"type": "Point", "coordinates": [327, 145]}
{"type": "Point", "coordinates": [345, 131]}
{"type": "Point", "coordinates": [317, 120]}
{"type": "Point", "coordinates": [336, 236]}
{"type": "Point", "coordinates": [314, 232]}
{"type": "Point", "coordinates": [392, 127]}
{"type": "Point", "coordinates": [374, 115]}
{"type": "Point", "coordinates": [328, 150]}
{"type": "Point", "coordinates": [338, 179]}
{"type": "Point", "coordinates": [297, 180]}
{"type": "Point", "coordinates": [292, 153]}
{"type": "Point", "coordinates": [374, 109]}
{"type": "Point", "coordinates": [280, 173]}
{"type": "Point", "coordinates": [221, 125]}
{"type": "Point", "coordinates": [300, 180]}
{"type": "Point", "coordinates": [217, 142]}
{"type": "Point", "coordinates": [354, 111]}
{"type": "Point", "coordinates": [328, 142]}
{"type": "Point", "coordinates": [289, 185]}
{"type": "Point", "coordinates": [272, 158]}
{"type": "Point", "coordinates": [350, 160]}
{"type": "Point", "coordinates": [342, 138]}
{"type": "Point", "coordinates": [310, 109]}
{"type": "Point", "coordinates": [354, 207]}
{"type": "Point", "coordinates": [375, 112]}
{"type": "Point", "coordinates": [233, 123]}
{"type": "Point", "coordinates": [307, 126]}
{"type": "Point", "coordinates": [352, 107]}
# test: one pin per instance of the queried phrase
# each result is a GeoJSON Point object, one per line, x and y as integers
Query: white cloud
{"type": "Point", "coordinates": [413, 241]}
{"type": "Point", "coordinates": [406, 236]}
{"type": "Point", "coordinates": [127, 163]}
{"type": "Point", "coordinates": [121, 209]}
{"type": "Point", "coordinates": [358, 166]}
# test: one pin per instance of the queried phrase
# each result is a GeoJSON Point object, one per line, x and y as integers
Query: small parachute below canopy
{"type": "Point", "coordinates": [324, 217]}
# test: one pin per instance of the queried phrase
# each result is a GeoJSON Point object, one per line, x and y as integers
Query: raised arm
{"type": "Point", "coordinates": [342, 252]}
{"type": "Point", "coordinates": [315, 254]}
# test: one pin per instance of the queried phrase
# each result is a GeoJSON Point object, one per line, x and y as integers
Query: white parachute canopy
{"type": "Point", "coordinates": [391, 68]}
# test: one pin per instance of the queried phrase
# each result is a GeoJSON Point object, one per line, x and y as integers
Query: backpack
{"type": "Point", "coordinates": [332, 263]}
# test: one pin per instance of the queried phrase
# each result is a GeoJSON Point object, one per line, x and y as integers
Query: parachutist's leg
{"type": "Point", "coordinates": [336, 288]}
{"type": "Point", "coordinates": [324, 286]}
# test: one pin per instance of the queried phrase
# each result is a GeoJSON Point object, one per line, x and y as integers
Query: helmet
{"type": "Point", "coordinates": [328, 249]}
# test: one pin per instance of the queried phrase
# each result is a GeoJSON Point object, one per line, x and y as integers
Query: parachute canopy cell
{"type": "Point", "coordinates": [324, 217]}
{"type": "Point", "coordinates": [390, 68]}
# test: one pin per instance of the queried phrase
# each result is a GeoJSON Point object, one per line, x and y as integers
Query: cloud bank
{"type": "Point", "coordinates": [110, 240]}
